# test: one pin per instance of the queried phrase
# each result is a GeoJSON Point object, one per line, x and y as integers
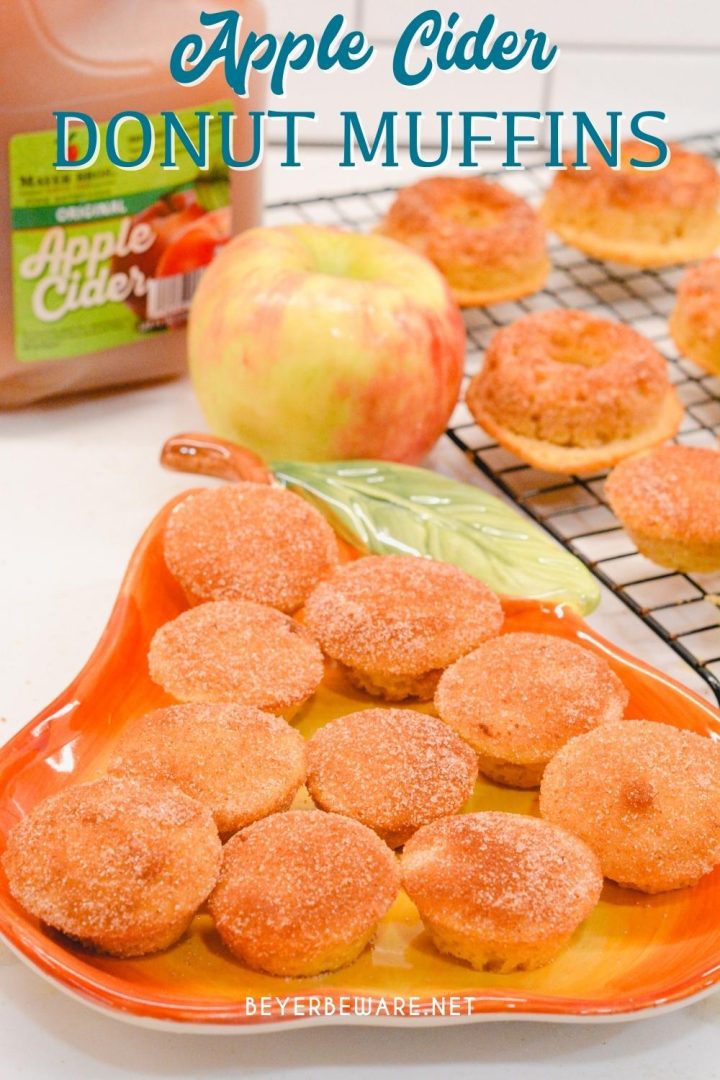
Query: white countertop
{"type": "Point", "coordinates": [79, 483]}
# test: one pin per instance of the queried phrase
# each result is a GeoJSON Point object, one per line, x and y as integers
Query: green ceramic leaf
{"type": "Point", "coordinates": [393, 509]}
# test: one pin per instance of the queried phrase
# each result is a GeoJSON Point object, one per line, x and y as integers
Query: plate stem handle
{"type": "Point", "coordinates": [212, 456]}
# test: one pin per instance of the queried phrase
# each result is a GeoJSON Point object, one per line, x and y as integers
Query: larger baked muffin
{"type": "Point", "coordinates": [569, 392]}
{"type": "Point", "coordinates": [488, 242]}
{"type": "Point", "coordinates": [695, 319]}
{"type": "Point", "coordinates": [642, 216]}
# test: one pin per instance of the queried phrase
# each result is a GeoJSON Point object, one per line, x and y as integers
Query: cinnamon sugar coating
{"type": "Point", "coordinates": [248, 542]}
{"type": "Point", "coordinates": [502, 891]}
{"type": "Point", "coordinates": [392, 769]}
{"type": "Point", "coordinates": [644, 217]}
{"type": "Point", "coordinates": [669, 502]}
{"type": "Point", "coordinates": [120, 865]}
{"type": "Point", "coordinates": [233, 650]}
{"type": "Point", "coordinates": [695, 320]}
{"type": "Point", "coordinates": [488, 242]}
{"type": "Point", "coordinates": [395, 621]}
{"type": "Point", "coordinates": [570, 379]}
{"type": "Point", "coordinates": [645, 797]}
{"type": "Point", "coordinates": [238, 761]}
{"type": "Point", "coordinates": [518, 698]}
{"type": "Point", "coordinates": [302, 892]}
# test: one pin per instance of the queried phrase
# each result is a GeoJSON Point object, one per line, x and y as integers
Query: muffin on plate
{"type": "Point", "coordinates": [248, 542]}
{"type": "Point", "coordinates": [392, 769]}
{"type": "Point", "coordinates": [241, 763]}
{"type": "Point", "coordinates": [234, 650]}
{"type": "Point", "coordinates": [302, 892]}
{"type": "Point", "coordinates": [518, 698]}
{"type": "Point", "coordinates": [504, 892]}
{"type": "Point", "coordinates": [645, 797]}
{"type": "Point", "coordinates": [120, 865]}
{"type": "Point", "coordinates": [394, 622]}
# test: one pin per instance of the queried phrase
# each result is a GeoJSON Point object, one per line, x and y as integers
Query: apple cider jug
{"type": "Point", "coordinates": [98, 264]}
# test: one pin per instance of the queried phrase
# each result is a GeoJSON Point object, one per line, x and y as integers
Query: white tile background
{"type": "Point", "coordinates": [614, 54]}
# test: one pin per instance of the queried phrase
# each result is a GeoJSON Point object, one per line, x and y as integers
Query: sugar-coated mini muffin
{"type": "Point", "coordinates": [645, 797]}
{"type": "Point", "coordinates": [394, 622]}
{"type": "Point", "coordinates": [644, 217]}
{"type": "Point", "coordinates": [392, 769]}
{"type": "Point", "coordinates": [504, 892]}
{"type": "Point", "coordinates": [238, 761]}
{"type": "Point", "coordinates": [302, 892]}
{"type": "Point", "coordinates": [669, 502]}
{"type": "Point", "coordinates": [569, 392]}
{"type": "Point", "coordinates": [488, 242]}
{"type": "Point", "coordinates": [695, 320]}
{"type": "Point", "coordinates": [233, 650]}
{"type": "Point", "coordinates": [120, 865]}
{"type": "Point", "coordinates": [249, 542]}
{"type": "Point", "coordinates": [518, 698]}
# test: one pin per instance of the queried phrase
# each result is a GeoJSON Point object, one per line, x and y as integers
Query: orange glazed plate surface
{"type": "Point", "coordinates": [635, 953]}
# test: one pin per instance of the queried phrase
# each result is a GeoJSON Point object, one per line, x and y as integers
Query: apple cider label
{"type": "Point", "coordinates": [103, 256]}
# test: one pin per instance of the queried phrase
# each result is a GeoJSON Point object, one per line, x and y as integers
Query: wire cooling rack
{"type": "Point", "coordinates": [683, 609]}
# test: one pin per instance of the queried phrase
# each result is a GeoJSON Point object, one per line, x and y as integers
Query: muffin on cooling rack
{"type": "Point", "coordinates": [488, 242]}
{"type": "Point", "coordinates": [641, 216]}
{"type": "Point", "coordinates": [669, 502]}
{"type": "Point", "coordinates": [695, 320]}
{"type": "Point", "coordinates": [569, 392]}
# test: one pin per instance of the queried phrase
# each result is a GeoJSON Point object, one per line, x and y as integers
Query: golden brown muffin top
{"type": "Point", "coordinates": [234, 650]}
{"type": "Point", "coordinates": [392, 769]}
{"type": "Point", "coordinates": [672, 492]}
{"type": "Point", "coordinates": [455, 218]}
{"type": "Point", "coordinates": [401, 614]}
{"type": "Point", "coordinates": [248, 542]}
{"type": "Point", "coordinates": [571, 378]}
{"type": "Point", "coordinates": [689, 181]}
{"type": "Point", "coordinates": [521, 696]}
{"type": "Point", "coordinates": [506, 877]}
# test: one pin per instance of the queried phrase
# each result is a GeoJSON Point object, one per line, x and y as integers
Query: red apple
{"type": "Point", "coordinates": [311, 343]}
{"type": "Point", "coordinates": [186, 238]}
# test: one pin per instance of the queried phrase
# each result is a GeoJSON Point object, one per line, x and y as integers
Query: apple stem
{"type": "Point", "coordinates": [212, 456]}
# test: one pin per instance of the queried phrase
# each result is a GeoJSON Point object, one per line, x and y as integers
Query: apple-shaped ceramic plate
{"type": "Point", "coordinates": [634, 955]}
